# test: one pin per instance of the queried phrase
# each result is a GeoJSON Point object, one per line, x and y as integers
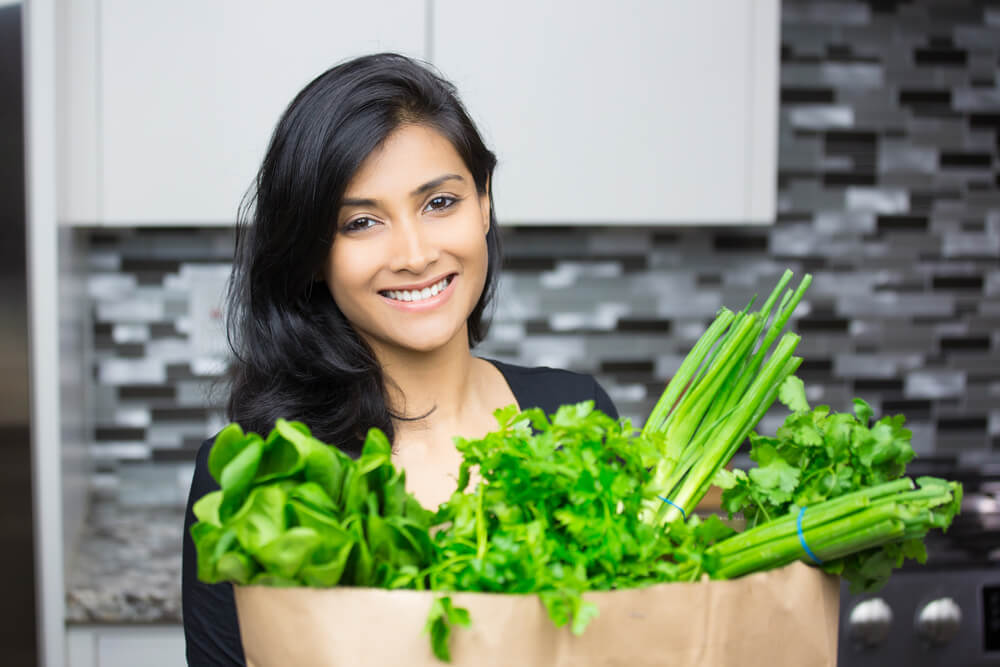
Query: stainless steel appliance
{"type": "Point", "coordinates": [946, 612]}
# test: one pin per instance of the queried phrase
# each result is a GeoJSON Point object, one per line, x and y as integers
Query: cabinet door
{"type": "Point", "coordinates": [628, 112]}
{"type": "Point", "coordinates": [125, 645]}
{"type": "Point", "coordinates": [150, 647]}
{"type": "Point", "coordinates": [189, 92]}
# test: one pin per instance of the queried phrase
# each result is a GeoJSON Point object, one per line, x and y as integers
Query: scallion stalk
{"type": "Point", "coordinates": [719, 394]}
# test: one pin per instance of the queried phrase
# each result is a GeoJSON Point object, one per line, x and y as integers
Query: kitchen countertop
{"type": "Point", "coordinates": [127, 567]}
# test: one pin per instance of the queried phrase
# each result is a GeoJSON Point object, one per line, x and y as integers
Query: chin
{"type": "Point", "coordinates": [427, 341]}
{"type": "Point", "coordinates": [425, 344]}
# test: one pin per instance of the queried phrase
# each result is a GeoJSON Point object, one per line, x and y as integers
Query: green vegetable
{"type": "Point", "coordinates": [293, 511]}
{"type": "Point", "coordinates": [860, 537]}
{"type": "Point", "coordinates": [722, 389]}
{"type": "Point", "coordinates": [862, 518]}
{"type": "Point", "coordinates": [816, 455]}
{"type": "Point", "coordinates": [557, 513]}
{"type": "Point", "coordinates": [575, 501]}
{"type": "Point", "coordinates": [442, 616]}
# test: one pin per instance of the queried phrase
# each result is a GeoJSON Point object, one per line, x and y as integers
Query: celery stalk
{"type": "Point", "coordinates": [865, 519]}
{"type": "Point", "coordinates": [820, 513]}
{"type": "Point", "coordinates": [825, 537]}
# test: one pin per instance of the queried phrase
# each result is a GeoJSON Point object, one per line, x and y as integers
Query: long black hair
{"type": "Point", "coordinates": [295, 355]}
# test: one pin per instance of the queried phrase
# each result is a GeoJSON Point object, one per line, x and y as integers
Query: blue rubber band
{"type": "Point", "coordinates": [802, 539]}
{"type": "Point", "coordinates": [670, 502]}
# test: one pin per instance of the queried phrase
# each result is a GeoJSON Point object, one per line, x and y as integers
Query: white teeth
{"type": "Point", "coordinates": [418, 295]}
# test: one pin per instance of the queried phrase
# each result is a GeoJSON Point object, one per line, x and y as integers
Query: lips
{"type": "Point", "coordinates": [419, 292]}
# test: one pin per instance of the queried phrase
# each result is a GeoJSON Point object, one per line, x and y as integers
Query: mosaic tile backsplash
{"type": "Point", "coordinates": [889, 194]}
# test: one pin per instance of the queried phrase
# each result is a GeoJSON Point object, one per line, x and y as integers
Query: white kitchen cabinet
{"type": "Point", "coordinates": [635, 112]}
{"type": "Point", "coordinates": [630, 112]}
{"type": "Point", "coordinates": [125, 646]}
{"type": "Point", "coordinates": [183, 96]}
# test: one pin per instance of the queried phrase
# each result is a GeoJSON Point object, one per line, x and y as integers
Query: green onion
{"type": "Point", "coordinates": [718, 395]}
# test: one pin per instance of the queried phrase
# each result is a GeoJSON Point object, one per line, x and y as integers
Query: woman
{"type": "Point", "coordinates": [362, 274]}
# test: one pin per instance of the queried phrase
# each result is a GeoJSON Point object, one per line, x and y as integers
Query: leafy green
{"type": "Point", "coordinates": [815, 455]}
{"type": "Point", "coordinates": [576, 501]}
{"type": "Point", "coordinates": [442, 617]}
{"type": "Point", "coordinates": [825, 462]}
{"type": "Point", "coordinates": [293, 511]}
{"type": "Point", "coordinates": [557, 514]}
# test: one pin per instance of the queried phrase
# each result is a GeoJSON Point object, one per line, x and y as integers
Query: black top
{"type": "Point", "coordinates": [211, 629]}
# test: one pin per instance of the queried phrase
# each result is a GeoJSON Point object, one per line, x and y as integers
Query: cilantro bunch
{"type": "Point", "coordinates": [815, 455]}
{"type": "Point", "coordinates": [829, 489]}
{"type": "Point", "coordinates": [557, 514]}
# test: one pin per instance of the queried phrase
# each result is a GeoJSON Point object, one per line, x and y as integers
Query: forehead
{"type": "Point", "coordinates": [411, 155]}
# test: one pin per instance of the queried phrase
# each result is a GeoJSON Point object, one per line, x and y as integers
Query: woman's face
{"type": "Point", "coordinates": [408, 262]}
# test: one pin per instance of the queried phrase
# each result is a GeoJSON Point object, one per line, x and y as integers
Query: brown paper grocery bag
{"type": "Point", "coordinates": [782, 617]}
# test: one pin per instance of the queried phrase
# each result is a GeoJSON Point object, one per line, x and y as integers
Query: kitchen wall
{"type": "Point", "coordinates": [75, 409]}
{"type": "Point", "coordinates": [889, 195]}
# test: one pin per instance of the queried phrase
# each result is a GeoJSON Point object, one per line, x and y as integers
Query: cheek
{"type": "Point", "coordinates": [344, 273]}
{"type": "Point", "coordinates": [478, 254]}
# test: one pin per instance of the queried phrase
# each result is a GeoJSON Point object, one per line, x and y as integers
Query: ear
{"type": "Point", "coordinates": [484, 207]}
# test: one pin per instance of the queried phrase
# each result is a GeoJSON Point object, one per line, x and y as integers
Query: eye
{"type": "Point", "coordinates": [358, 224]}
{"type": "Point", "coordinates": [441, 202]}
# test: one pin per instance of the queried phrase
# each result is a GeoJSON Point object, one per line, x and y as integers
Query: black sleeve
{"type": "Point", "coordinates": [549, 388]}
{"type": "Point", "coordinates": [211, 629]}
{"type": "Point", "coordinates": [603, 402]}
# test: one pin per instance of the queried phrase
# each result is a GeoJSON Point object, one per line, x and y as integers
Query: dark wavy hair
{"type": "Point", "coordinates": [294, 354]}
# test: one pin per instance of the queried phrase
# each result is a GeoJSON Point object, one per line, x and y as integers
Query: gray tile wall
{"type": "Point", "coordinates": [889, 194]}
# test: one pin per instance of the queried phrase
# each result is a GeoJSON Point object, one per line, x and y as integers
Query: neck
{"type": "Point", "coordinates": [443, 380]}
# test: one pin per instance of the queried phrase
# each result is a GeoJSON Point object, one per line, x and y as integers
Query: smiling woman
{"type": "Point", "coordinates": [367, 254]}
{"type": "Point", "coordinates": [373, 166]}
{"type": "Point", "coordinates": [407, 268]}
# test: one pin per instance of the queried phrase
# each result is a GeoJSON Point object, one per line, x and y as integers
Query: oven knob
{"type": "Point", "coordinates": [938, 621]}
{"type": "Point", "coordinates": [869, 621]}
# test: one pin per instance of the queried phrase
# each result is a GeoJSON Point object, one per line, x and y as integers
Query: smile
{"type": "Point", "coordinates": [418, 295]}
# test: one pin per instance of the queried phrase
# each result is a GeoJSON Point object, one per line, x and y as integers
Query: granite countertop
{"type": "Point", "coordinates": [127, 567]}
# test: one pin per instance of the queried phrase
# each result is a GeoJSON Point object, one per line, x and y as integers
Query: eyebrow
{"type": "Point", "coordinates": [429, 185]}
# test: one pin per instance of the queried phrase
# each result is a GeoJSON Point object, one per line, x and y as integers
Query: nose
{"type": "Point", "coordinates": [412, 248]}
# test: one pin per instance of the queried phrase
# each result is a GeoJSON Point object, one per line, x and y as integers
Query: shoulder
{"type": "Point", "coordinates": [548, 388]}
{"type": "Point", "coordinates": [570, 381]}
{"type": "Point", "coordinates": [203, 482]}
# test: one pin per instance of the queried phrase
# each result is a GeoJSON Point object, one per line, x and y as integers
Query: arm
{"type": "Point", "coordinates": [211, 629]}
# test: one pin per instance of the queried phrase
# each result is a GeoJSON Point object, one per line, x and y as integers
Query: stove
{"type": "Point", "coordinates": [947, 611]}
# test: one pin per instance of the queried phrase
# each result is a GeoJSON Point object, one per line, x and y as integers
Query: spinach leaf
{"type": "Point", "coordinates": [295, 511]}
